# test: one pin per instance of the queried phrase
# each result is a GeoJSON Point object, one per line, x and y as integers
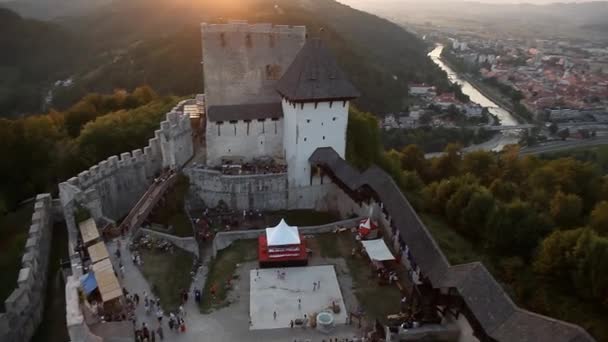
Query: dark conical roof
{"type": "Point", "coordinates": [315, 76]}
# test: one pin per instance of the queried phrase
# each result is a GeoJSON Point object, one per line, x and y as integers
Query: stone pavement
{"type": "Point", "coordinates": [227, 324]}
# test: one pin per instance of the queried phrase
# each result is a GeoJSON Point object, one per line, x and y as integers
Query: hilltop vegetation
{"type": "Point", "coordinates": [164, 49]}
{"type": "Point", "coordinates": [539, 225]}
{"type": "Point", "coordinates": [40, 151]}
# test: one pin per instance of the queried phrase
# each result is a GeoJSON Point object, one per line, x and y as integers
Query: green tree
{"type": "Point", "coordinates": [448, 164]}
{"type": "Point", "coordinates": [599, 218]}
{"type": "Point", "coordinates": [363, 145]}
{"type": "Point", "coordinates": [504, 190]}
{"type": "Point", "coordinates": [566, 209]}
{"type": "Point", "coordinates": [412, 159]}
{"type": "Point", "coordinates": [475, 215]}
{"type": "Point", "coordinates": [514, 229]}
{"type": "Point", "coordinates": [482, 164]}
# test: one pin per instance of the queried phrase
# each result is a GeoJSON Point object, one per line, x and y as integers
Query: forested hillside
{"type": "Point", "coordinates": [157, 42]}
{"type": "Point", "coordinates": [33, 55]}
{"type": "Point", "coordinates": [540, 225]}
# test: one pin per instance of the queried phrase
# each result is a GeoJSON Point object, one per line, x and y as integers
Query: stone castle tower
{"type": "Point", "coordinates": [272, 93]}
{"type": "Point", "coordinates": [315, 99]}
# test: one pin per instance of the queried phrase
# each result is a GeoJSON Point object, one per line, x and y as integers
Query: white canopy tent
{"type": "Point", "coordinates": [282, 235]}
{"type": "Point", "coordinates": [377, 250]}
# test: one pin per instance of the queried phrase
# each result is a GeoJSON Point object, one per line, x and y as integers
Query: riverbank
{"type": "Point", "coordinates": [489, 93]}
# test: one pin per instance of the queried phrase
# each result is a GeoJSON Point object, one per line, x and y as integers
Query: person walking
{"type": "Point", "coordinates": [160, 332]}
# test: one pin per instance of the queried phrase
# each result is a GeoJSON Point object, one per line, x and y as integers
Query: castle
{"type": "Point", "coordinates": [272, 93]}
{"type": "Point", "coordinates": [269, 93]}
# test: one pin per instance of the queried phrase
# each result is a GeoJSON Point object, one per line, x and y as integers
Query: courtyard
{"type": "Point", "coordinates": [292, 293]}
{"type": "Point", "coordinates": [246, 297]}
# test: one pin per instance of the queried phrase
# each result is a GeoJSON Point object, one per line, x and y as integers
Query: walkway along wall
{"type": "Point", "coordinates": [25, 305]}
{"type": "Point", "coordinates": [108, 191]}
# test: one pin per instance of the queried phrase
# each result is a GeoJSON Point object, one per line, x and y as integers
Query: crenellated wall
{"type": "Point", "coordinates": [25, 305]}
{"type": "Point", "coordinates": [118, 182]}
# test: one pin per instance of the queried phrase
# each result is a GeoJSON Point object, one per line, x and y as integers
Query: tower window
{"type": "Point", "coordinates": [307, 120]}
{"type": "Point", "coordinates": [304, 139]}
{"type": "Point", "coordinates": [323, 137]}
{"type": "Point", "coordinates": [334, 118]}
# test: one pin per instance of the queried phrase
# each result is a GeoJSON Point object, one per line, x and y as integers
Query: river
{"type": "Point", "coordinates": [505, 118]}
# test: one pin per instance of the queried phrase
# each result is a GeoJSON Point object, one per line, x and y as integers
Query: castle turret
{"type": "Point", "coordinates": [315, 98]}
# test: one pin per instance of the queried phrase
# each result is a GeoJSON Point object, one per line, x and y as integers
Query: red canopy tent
{"type": "Point", "coordinates": [367, 229]}
{"type": "Point", "coordinates": [282, 246]}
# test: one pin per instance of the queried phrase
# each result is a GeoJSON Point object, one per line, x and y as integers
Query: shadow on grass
{"type": "Point", "coordinates": [168, 274]}
{"type": "Point", "coordinates": [222, 268]}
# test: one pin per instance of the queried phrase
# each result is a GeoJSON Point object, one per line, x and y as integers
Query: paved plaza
{"type": "Point", "coordinates": [227, 324]}
{"type": "Point", "coordinates": [291, 293]}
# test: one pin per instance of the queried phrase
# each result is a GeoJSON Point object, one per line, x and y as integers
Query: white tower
{"type": "Point", "coordinates": [315, 98]}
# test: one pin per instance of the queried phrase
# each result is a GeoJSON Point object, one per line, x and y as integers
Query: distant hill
{"type": "Point", "coordinates": [49, 9]}
{"type": "Point", "coordinates": [556, 19]}
{"type": "Point", "coordinates": [157, 42]}
{"type": "Point", "coordinates": [34, 54]}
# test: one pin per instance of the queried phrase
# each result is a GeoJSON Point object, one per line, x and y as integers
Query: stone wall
{"type": "Point", "coordinates": [259, 192]}
{"type": "Point", "coordinates": [118, 182]}
{"type": "Point", "coordinates": [246, 192]}
{"type": "Point", "coordinates": [188, 244]}
{"type": "Point", "coordinates": [24, 307]}
{"type": "Point", "coordinates": [248, 139]}
{"type": "Point", "coordinates": [223, 240]}
{"type": "Point", "coordinates": [242, 62]}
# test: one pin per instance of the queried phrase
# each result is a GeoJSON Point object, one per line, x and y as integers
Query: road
{"type": "Point", "coordinates": [563, 145]}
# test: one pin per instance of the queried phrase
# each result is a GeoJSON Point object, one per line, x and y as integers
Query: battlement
{"type": "Point", "coordinates": [243, 26]}
{"type": "Point", "coordinates": [24, 306]}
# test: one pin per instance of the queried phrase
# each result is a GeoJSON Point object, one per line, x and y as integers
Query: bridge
{"type": "Point", "coordinates": [502, 128]}
{"type": "Point", "coordinates": [147, 202]}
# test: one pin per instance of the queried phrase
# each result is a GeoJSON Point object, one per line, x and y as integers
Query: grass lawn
{"type": "Point", "coordinates": [377, 301]}
{"type": "Point", "coordinates": [167, 274]}
{"type": "Point", "coordinates": [14, 228]}
{"type": "Point", "coordinates": [222, 269]}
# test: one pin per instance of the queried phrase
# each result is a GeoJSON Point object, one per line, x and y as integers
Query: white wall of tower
{"type": "Point", "coordinates": [309, 126]}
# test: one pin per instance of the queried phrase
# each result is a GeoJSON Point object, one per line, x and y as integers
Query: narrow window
{"type": "Point", "coordinates": [248, 42]}
{"type": "Point", "coordinates": [323, 137]}
{"type": "Point", "coordinates": [275, 128]}
{"type": "Point", "coordinates": [331, 103]}
{"type": "Point", "coordinates": [334, 118]}
{"type": "Point", "coordinates": [222, 39]}
{"type": "Point", "coordinates": [304, 139]}
{"type": "Point", "coordinates": [248, 122]}
{"type": "Point", "coordinates": [307, 120]}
